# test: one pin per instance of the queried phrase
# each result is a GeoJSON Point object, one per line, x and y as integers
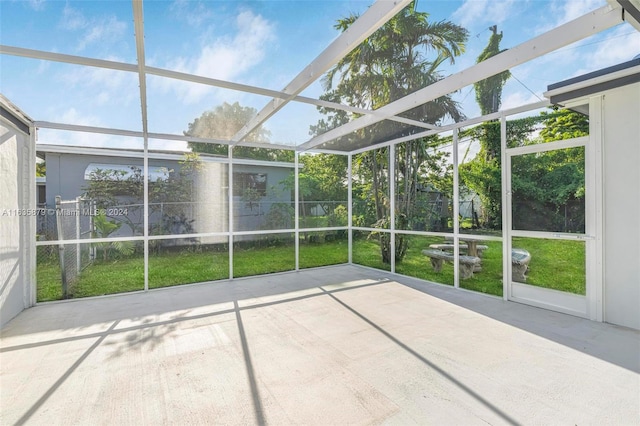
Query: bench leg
{"type": "Point", "coordinates": [436, 263]}
{"type": "Point", "coordinates": [466, 270]}
{"type": "Point", "coordinates": [518, 273]}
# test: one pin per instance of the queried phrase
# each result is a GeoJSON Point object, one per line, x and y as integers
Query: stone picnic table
{"type": "Point", "coordinates": [474, 247]}
{"type": "Point", "coordinates": [472, 262]}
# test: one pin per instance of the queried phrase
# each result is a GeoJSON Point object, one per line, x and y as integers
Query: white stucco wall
{"type": "Point", "coordinates": [16, 235]}
{"type": "Point", "coordinates": [621, 135]}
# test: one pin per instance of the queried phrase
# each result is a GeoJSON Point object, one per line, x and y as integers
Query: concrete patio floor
{"type": "Point", "coordinates": [332, 346]}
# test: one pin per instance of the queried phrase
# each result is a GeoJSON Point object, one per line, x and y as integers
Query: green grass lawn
{"type": "Point", "coordinates": [184, 266]}
{"type": "Point", "coordinates": [323, 254]}
{"type": "Point", "coordinates": [556, 264]}
{"type": "Point", "coordinates": [264, 260]}
{"type": "Point", "coordinates": [100, 278]}
{"type": "Point", "coordinates": [187, 266]}
{"type": "Point", "coordinates": [415, 264]}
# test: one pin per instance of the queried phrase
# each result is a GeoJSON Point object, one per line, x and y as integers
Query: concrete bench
{"type": "Point", "coordinates": [449, 247]}
{"type": "Point", "coordinates": [520, 259]}
{"type": "Point", "coordinates": [467, 263]}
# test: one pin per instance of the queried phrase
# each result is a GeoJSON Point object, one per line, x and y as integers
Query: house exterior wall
{"type": "Point", "coordinates": [251, 218]}
{"type": "Point", "coordinates": [621, 192]}
{"type": "Point", "coordinates": [65, 172]}
{"type": "Point", "coordinates": [65, 176]}
{"type": "Point", "coordinates": [16, 230]}
{"type": "Point", "coordinates": [209, 211]}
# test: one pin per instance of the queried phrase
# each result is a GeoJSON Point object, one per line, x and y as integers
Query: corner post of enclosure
{"type": "Point", "coordinates": [31, 291]}
{"type": "Point", "coordinates": [145, 220]}
{"type": "Point", "coordinates": [78, 247]}
{"type": "Point", "coordinates": [350, 205]}
{"type": "Point", "coordinates": [595, 218]}
{"type": "Point", "coordinates": [456, 212]}
{"type": "Point", "coordinates": [297, 208]}
{"type": "Point", "coordinates": [230, 195]}
{"type": "Point", "coordinates": [505, 165]}
{"type": "Point", "coordinates": [392, 205]}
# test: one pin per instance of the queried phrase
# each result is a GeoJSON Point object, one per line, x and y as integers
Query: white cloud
{"type": "Point", "coordinates": [224, 58]}
{"type": "Point", "coordinates": [194, 13]}
{"type": "Point", "coordinates": [516, 99]}
{"type": "Point", "coordinates": [106, 30]}
{"type": "Point", "coordinates": [617, 45]}
{"type": "Point", "coordinates": [72, 19]}
{"type": "Point", "coordinates": [621, 46]}
{"type": "Point", "coordinates": [43, 67]}
{"type": "Point", "coordinates": [563, 11]}
{"type": "Point", "coordinates": [474, 13]}
{"type": "Point", "coordinates": [72, 116]}
{"type": "Point", "coordinates": [574, 9]}
{"type": "Point", "coordinates": [103, 84]}
{"type": "Point", "coordinates": [36, 5]}
{"type": "Point", "coordinates": [94, 31]}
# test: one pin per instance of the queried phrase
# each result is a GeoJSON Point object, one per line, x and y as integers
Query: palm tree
{"type": "Point", "coordinates": [399, 58]}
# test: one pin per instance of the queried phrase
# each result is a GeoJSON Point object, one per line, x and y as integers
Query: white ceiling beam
{"type": "Point", "coordinates": [214, 82]}
{"type": "Point", "coordinates": [578, 29]}
{"type": "Point", "coordinates": [87, 129]}
{"type": "Point", "coordinates": [68, 59]}
{"type": "Point", "coordinates": [377, 14]}
{"type": "Point", "coordinates": [138, 24]}
{"type": "Point", "coordinates": [185, 138]}
{"type": "Point", "coordinates": [138, 134]}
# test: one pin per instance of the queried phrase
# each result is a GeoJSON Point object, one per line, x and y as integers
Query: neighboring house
{"type": "Point", "coordinates": [257, 188]}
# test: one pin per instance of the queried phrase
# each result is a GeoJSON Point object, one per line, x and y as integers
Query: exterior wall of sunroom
{"type": "Point", "coordinates": [621, 183]}
{"type": "Point", "coordinates": [17, 189]}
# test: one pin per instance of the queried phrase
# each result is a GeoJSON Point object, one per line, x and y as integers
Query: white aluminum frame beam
{"type": "Point", "coordinates": [138, 19]}
{"type": "Point", "coordinates": [150, 135]}
{"type": "Point", "coordinates": [376, 16]}
{"type": "Point", "coordinates": [578, 29]}
{"type": "Point", "coordinates": [68, 59]}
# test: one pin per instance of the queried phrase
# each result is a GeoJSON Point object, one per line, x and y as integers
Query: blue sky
{"type": "Point", "coordinates": [262, 43]}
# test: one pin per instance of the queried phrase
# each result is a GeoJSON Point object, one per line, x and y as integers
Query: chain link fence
{"type": "Point", "coordinates": [74, 221]}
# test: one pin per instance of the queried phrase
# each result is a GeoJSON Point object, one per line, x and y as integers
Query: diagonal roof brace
{"type": "Point", "coordinates": [582, 27]}
{"type": "Point", "coordinates": [377, 14]}
{"type": "Point", "coordinates": [138, 18]}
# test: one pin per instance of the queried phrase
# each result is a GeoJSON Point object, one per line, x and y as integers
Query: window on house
{"type": "Point", "coordinates": [249, 181]}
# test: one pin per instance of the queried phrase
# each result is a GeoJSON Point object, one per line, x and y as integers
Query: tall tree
{"type": "Point", "coordinates": [549, 188]}
{"type": "Point", "coordinates": [489, 90]}
{"type": "Point", "coordinates": [41, 169]}
{"type": "Point", "coordinates": [482, 175]}
{"type": "Point", "coordinates": [223, 122]}
{"type": "Point", "coordinates": [402, 56]}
